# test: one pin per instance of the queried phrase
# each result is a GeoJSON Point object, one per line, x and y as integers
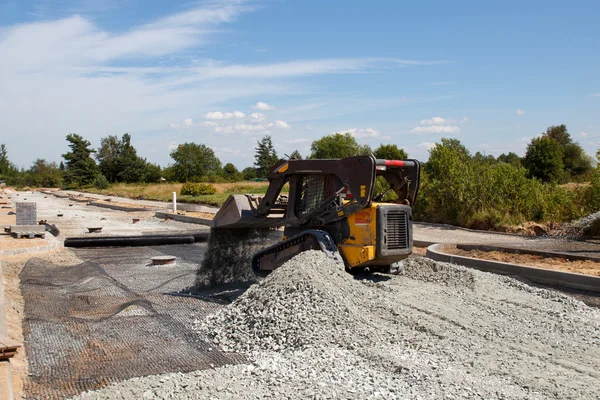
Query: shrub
{"type": "Point", "coordinates": [101, 182]}
{"type": "Point", "coordinates": [459, 190]}
{"type": "Point", "coordinates": [197, 189]}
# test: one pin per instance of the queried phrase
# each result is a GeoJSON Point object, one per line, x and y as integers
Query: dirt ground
{"type": "Point", "coordinates": [560, 264]}
{"type": "Point", "coordinates": [197, 214]}
{"type": "Point", "coordinates": [13, 301]}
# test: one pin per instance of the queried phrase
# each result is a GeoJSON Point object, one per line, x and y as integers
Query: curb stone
{"type": "Point", "coordinates": [537, 275]}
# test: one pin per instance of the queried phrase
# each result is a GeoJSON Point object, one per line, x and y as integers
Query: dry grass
{"type": "Point", "coordinates": [164, 191]}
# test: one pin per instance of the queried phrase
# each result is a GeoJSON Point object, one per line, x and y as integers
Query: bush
{"type": "Point", "coordinates": [459, 190]}
{"type": "Point", "coordinates": [197, 189]}
{"type": "Point", "coordinates": [101, 182]}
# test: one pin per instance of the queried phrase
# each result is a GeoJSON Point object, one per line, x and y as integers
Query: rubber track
{"type": "Point", "coordinates": [326, 242]}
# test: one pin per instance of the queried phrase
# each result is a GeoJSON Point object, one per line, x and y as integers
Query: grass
{"type": "Point", "coordinates": [164, 191]}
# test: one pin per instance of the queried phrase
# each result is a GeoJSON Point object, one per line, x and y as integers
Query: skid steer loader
{"type": "Point", "coordinates": [332, 206]}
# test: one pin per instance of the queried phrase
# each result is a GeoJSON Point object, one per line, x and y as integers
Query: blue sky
{"type": "Point", "coordinates": [225, 73]}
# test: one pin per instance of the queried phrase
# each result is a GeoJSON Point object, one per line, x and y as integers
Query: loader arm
{"type": "Point", "coordinates": [321, 192]}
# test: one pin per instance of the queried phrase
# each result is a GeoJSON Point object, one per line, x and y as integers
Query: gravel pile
{"type": "Point", "coordinates": [585, 226]}
{"type": "Point", "coordinates": [589, 225]}
{"type": "Point", "coordinates": [308, 301]}
{"type": "Point", "coordinates": [439, 331]}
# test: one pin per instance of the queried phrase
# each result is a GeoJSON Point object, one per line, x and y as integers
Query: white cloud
{"type": "Point", "coordinates": [520, 112]}
{"type": "Point", "coordinates": [282, 124]}
{"type": "Point", "coordinates": [81, 72]}
{"type": "Point", "coordinates": [221, 115]}
{"type": "Point", "coordinates": [258, 117]}
{"type": "Point", "coordinates": [435, 121]}
{"type": "Point", "coordinates": [583, 134]}
{"type": "Point", "coordinates": [436, 129]}
{"type": "Point", "coordinates": [240, 128]}
{"type": "Point", "coordinates": [426, 145]}
{"type": "Point", "coordinates": [594, 94]}
{"type": "Point", "coordinates": [443, 121]}
{"type": "Point", "coordinates": [187, 123]}
{"type": "Point", "coordinates": [172, 146]}
{"type": "Point", "coordinates": [263, 106]}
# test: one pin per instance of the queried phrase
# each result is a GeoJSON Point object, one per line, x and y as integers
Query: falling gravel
{"type": "Point", "coordinates": [438, 331]}
{"type": "Point", "coordinates": [228, 256]}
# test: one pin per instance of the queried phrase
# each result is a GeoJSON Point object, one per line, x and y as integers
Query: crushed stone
{"type": "Point", "coordinates": [439, 331]}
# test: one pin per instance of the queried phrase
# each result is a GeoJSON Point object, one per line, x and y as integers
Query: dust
{"type": "Point", "coordinates": [229, 255]}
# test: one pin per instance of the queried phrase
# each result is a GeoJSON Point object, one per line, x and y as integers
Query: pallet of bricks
{"type": "Point", "coordinates": [8, 348]}
{"type": "Point", "coordinates": [27, 225]}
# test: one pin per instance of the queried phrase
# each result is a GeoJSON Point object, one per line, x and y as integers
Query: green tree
{"type": "Point", "coordinates": [510, 158]}
{"type": "Point", "coordinates": [119, 162]}
{"type": "Point", "coordinates": [448, 151]}
{"type": "Point", "coordinates": [390, 152]}
{"type": "Point", "coordinates": [265, 157]}
{"type": "Point", "coordinates": [575, 161]}
{"type": "Point", "coordinates": [560, 134]}
{"type": "Point", "coordinates": [8, 170]}
{"type": "Point", "coordinates": [80, 169]}
{"type": "Point", "coordinates": [133, 167]}
{"type": "Point", "coordinates": [153, 173]}
{"type": "Point", "coordinates": [447, 181]}
{"type": "Point", "coordinates": [45, 174]}
{"type": "Point", "coordinates": [544, 159]}
{"type": "Point", "coordinates": [296, 155]}
{"type": "Point", "coordinates": [249, 173]}
{"type": "Point", "coordinates": [337, 146]}
{"type": "Point", "coordinates": [193, 161]}
{"type": "Point", "coordinates": [487, 159]}
{"type": "Point", "coordinates": [4, 162]}
{"type": "Point", "coordinates": [230, 173]}
{"type": "Point", "coordinates": [108, 157]}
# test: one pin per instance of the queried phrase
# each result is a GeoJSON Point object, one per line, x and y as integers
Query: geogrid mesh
{"type": "Point", "coordinates": [111, 318]}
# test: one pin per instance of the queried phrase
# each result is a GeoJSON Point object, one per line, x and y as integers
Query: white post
{"type": "Point", "coordinates": [174, 202]}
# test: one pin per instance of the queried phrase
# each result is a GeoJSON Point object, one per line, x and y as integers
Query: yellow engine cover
{"type": "Point", "coordinates": [360, 247]}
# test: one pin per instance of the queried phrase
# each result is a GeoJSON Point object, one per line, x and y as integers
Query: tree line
{"type": "Point", "coordinates": [553, 157]}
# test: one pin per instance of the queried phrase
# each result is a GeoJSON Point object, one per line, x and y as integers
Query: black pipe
{"type": "Point", "coordinates": [124, 241]}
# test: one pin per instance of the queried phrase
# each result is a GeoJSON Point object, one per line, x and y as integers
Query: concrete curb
{"type": "Point", "coordinates": [53, 245]}
{"type": "Point", "coordinates": [184, 218]}
{"type": "Point", "coordinates": [537, 275]}
{"type": "Point", "coordinates": [122, 208]}
{"type": "Point", "coordinates": [422, 243]}
{"type": "Point", "coordinates": [75, 199]}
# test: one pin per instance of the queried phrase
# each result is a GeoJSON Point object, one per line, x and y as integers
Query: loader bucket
{"type": "Point", "coordinates": [238, 213]}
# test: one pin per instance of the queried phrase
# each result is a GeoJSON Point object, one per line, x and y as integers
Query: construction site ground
{"type": "Point", "coordinates": [561, 264]}
{"type": "Point", "coordinates": [96, 317]}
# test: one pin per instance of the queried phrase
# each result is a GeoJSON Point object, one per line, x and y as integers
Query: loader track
{"type": "Point", "coordinates": [323, 241]}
